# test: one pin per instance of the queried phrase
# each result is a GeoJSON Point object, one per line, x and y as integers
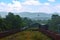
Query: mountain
{"type": "Point", "coordinates": [34, 16]}
{"type": "Point", "coordinates": [42, 16]}
{"type": "Point", "coordinates": [3, 14]}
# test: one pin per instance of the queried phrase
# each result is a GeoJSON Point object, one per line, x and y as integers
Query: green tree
{"type": "Point", "coordinates": [27, 21]}
{"type": "Point", "coordinates": [2, 24]}
{"type": "Point", "coordinates": [13, 21]}
{"type": "Point", "coordinates": [53, 24]}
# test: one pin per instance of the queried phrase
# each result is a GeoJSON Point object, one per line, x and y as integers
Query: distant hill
{"type": "Point", "coordinates": [42, 16]}
{"type": "Point", "coordinates": [3, 14]}
{"type": "Point", "coordinates": [34, 16]}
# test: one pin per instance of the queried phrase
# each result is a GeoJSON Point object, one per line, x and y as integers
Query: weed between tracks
{"type": "Point", "coordinates": [27, 35]}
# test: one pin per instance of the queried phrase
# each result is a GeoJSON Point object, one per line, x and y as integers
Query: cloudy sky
{"type": "Point", "coordinates": [47, 6]}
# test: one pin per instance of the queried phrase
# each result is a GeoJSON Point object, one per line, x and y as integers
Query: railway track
{"type": "Point", "coordinates": [53, 35]}
{"type": "Point", "coordinates": [10, 32]}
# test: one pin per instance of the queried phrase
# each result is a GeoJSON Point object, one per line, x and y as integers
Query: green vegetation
{"type": "Point", "coordinates": [12, 21]}
{"type": "Point", "coordinates": [54, 23]}
{"type": "Point", "coordinates": [27, 35]}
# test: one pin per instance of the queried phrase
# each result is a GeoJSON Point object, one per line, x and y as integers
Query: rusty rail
{"type": "Point", "coordinates": [9, 32]}
{"type": "Point", "coordinates": [53, 35]}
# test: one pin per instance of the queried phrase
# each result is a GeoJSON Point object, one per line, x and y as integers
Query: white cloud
{"type": "Point", "coordinates": [39, 8]}
{"type": "Point", "coordinates": [29, 6]}
{"type": "Point", "coordinates": [46, 4]}
{"type": "Point", "coordinates": [51, 0]}
{"type": "Point", "coordinates": [13, 7]}
{"type": "Point", "coordinates": [47, 9]}
{"type": "Point", "coordinates": [31, 2]}
{"type": "Point", "coordinates": [57, 8]}
{"type": "Point", "coordinates": [3, 6]}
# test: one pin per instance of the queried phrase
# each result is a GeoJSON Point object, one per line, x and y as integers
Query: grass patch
{"type": "Point", "coordinates": [27, 35]}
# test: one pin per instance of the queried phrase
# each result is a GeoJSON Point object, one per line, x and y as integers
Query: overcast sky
{"type": "Point", "coordinates": [47, 6]}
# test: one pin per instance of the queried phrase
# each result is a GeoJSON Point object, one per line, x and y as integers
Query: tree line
{"type": "Point", "coordinates": [12, 21]}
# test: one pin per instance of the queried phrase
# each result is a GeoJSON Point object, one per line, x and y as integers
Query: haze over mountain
{"type": "Point", "coordinates": [42, 16]}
